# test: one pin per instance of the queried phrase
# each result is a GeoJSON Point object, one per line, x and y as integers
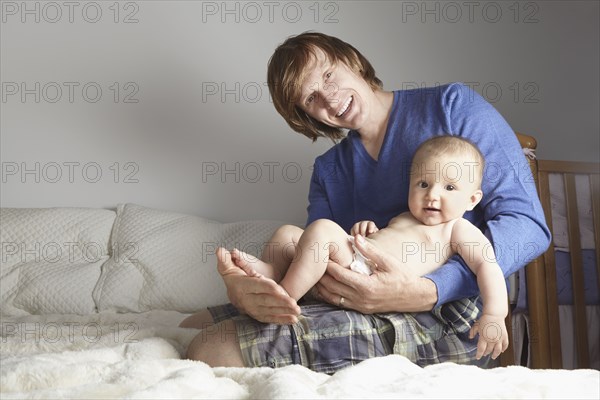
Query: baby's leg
{"type": "Point", "coordinates": [277, 255]}
{"type": "Point", "coordinates": [321, 241]}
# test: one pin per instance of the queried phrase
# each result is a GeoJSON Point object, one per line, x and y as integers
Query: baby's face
{"type": "Point", "coordinates": [442, 188]}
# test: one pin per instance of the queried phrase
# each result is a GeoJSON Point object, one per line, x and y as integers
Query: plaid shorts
{"type": "Point", "coordinates": [327, 338]}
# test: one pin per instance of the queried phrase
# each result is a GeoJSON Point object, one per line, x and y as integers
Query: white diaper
{"type": "Point", "coordinates": [359, 261]}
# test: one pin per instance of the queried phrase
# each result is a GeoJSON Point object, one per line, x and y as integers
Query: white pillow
{"type": "Point", "coordinates": [165, 260]}
{"type": "Point", "coordinates": [51, 258]}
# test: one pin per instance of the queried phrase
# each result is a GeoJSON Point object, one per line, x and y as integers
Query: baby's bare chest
{"type": "Point", "coordinates": [416, 244]}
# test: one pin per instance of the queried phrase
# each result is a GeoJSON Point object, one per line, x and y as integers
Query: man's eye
{"type": "Point", "coordinates": [423, 185]}
{"type": "Point", "coordinates": [450, 187]}
{"type": "Point", "coordinates": [310, 99]}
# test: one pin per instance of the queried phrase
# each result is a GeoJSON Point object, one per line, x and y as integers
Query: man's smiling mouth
{"type": "Point", "coordinates": [345, 107]}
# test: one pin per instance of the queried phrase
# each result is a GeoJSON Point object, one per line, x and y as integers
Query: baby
{"type": "Point", "coordinates": [445, 182]}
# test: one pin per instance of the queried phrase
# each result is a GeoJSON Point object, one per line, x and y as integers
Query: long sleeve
{"type": "Point", "coordinates": [512, 216]}
{"type": "Point", "coordinates": [318, 203]}
{"type": "Point", "coordinates": [347, 185]}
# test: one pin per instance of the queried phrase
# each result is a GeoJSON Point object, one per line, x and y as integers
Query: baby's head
{"type": "Point", "coordinates": [458, 150]}
{"type": "Point", "coordinates": [445, 181]}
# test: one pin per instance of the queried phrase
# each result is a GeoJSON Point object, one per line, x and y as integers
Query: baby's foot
{"type": "Point", "coordinates": [225, 264]}
{"type": "Point", "coordinates": [251, 265]}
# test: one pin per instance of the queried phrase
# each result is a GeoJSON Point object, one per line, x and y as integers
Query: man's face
{"type": "Point", "coordinates": [334, 94]}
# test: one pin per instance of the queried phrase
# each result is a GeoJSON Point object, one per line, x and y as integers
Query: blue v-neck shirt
{"type": "Point", "coordinates": [348, 185]}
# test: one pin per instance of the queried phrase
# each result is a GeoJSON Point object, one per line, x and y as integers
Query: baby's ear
{"type": "Point", "coordinates": [475, 199]}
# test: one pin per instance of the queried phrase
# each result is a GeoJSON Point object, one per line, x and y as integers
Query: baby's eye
{"type": "Point", "coordinates": [423, 185]}
{"type": "Point", "coordinates": [450, 187]}
{"type": "Point", "coordinates": [328, 75]}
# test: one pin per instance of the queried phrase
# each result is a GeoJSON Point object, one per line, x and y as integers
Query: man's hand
{"type": "Point", "coordinates": [259, 297]}
{"type": "Point", "coordinates": [391, 288]}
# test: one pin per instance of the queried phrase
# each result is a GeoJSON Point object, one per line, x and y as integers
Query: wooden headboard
{"type": "Point", "coordinates": [544, 329]}
{"type": "Point", "coordinates": [546, 353]}
{"type": "Point", "coordinates": [508, 357]}
{"type": "Point", "coordinates": [529, 142]}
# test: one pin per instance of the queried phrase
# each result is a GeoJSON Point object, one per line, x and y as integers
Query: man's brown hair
{"type": "Point", "coordinates": [288, 67]}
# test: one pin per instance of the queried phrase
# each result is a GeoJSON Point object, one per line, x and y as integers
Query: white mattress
{"type": "Point", "coordinates": [111, 355]}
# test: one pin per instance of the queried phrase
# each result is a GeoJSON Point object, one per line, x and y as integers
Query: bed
{"type": "Point", "coordinates": [85, 335]}
{"type": "Point", "coordinates": [558, 306]}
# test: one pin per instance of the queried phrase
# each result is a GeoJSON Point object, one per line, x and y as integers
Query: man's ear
{"type": "Point", "coordinates": [475, 199]}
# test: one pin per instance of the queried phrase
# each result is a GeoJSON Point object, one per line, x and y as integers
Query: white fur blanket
{"type": "Point", "coordinates": [139, 356]}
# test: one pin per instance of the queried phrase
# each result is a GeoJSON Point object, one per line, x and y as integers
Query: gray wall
{"type": "Point", "coordinates": [165, 104]}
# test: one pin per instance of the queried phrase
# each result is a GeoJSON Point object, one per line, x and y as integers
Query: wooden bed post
{"type": "Point", "coordinates": [536, 287]}
{"type": "Point", "coordinates": [568, 171]}
{"type": "Point", "coordinates": [542, 293]}
{"type": "Point", "coordinates": [550, 332]}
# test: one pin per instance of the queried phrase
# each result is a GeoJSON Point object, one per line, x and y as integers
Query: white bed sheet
{"type": "Point", "coordinates": [139, 356]}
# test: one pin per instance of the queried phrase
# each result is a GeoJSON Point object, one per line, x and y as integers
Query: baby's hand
{"type": "Point", "coordinates": [364, 228]}
{"type": "Point", "coordinates": [493, 336]}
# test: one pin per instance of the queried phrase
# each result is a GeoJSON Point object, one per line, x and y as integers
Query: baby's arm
{"type": "Point", "coordinates": [364, 228]}
{"type": "Point", "coordinates": [478, 253]}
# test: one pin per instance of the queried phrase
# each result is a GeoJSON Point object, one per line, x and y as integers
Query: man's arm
{"type": "Point", "coordinates": [318, 203]}
{"type": "Point", "coordinates": [512, 216]}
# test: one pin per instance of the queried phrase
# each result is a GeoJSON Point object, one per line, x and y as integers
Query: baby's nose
{"type": "Point", "coordinates": [433, 193]}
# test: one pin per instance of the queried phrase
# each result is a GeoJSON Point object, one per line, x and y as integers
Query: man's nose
{"type": "Point", "coordinates": [328, 95]}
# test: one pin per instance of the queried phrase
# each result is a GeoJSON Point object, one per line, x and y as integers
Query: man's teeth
{"type": "Point", "coordinates": [345, 107]}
